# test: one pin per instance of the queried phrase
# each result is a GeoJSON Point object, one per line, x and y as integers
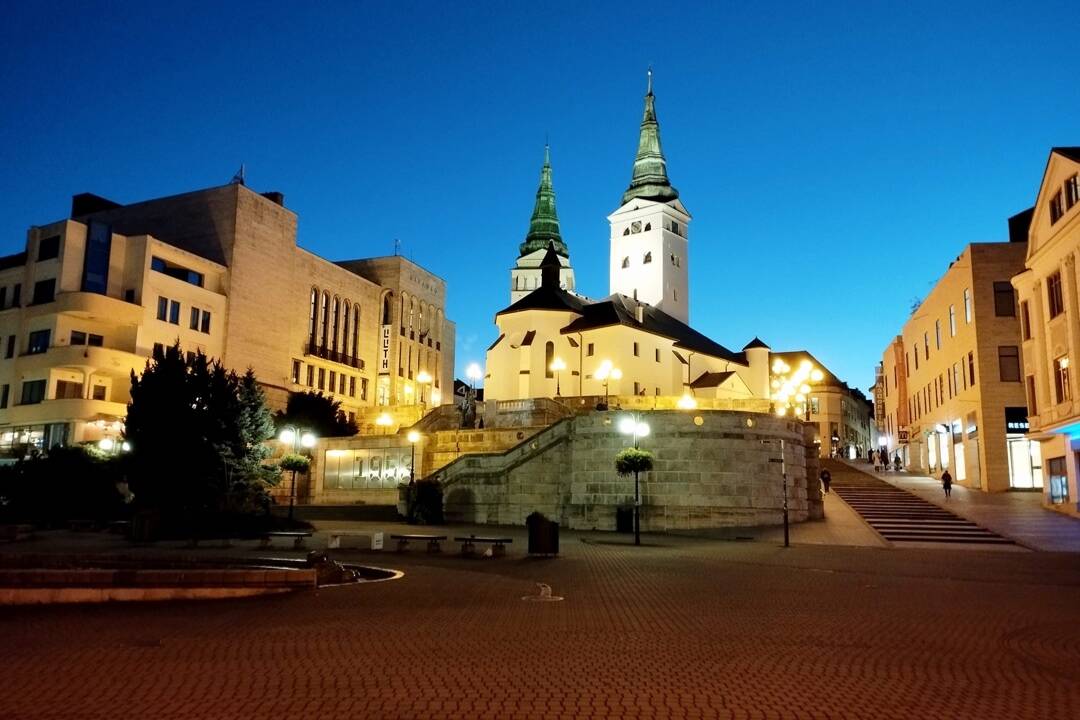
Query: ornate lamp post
{"type": "Point", "coordinates": [414, 437]}
{"type": "Point", "coordinates": [475, 374]}
{"type": "Point", "coordinates": [557, 366]}
{"type": "Point", "coordinates": [296, 438]}
{"type": "Point", "coordinates": [634, 425]}
{"type": "Point", "coordinates": [791, 388]}
{"type": "Point", "coordinates": [606, 373]}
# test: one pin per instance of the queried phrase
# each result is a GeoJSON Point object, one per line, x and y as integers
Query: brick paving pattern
{"type": "Point", "coordinates": [679, 628]}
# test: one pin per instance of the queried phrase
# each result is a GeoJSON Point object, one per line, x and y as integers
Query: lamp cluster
{"type": "Point", "coordinates": [791, 389]}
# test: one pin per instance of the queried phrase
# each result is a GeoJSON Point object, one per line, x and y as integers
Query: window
{"type": "Point", "coordinates": [195, 318]}
{"type": "Point", "coordinates": [636, 350]}
{"type": "Point", "coordinates": [322, 378]}
{"type": "Point", "coordinates": [95, 277]}
{"type": "Point", "coordinates": [675, 228]}
{"type": "Point", "coordinates": [335, 324]}
{"type": "Point", "coordinates": [313, 313]}
{"type": "Point", "coordinates": [333, 380]}
{"type": "Point", "coordinates": [1056, 208]}
{"type": "Point", "coordinates": [44, 291]}
{"type": "Point", "coordinates": [926, 345]}
{"type": "Point", "coordinates": [356, 332]}
{"type": "Point", "coordinates": [1072, 192]}
{"type": "Point", "coordinates": [363, 388]}
{"type": "Point", "coordinates": [626, 231]}
{"type": "Point", "coordinates": [67, 390]}
{"type": "Point", "coordinates": [635, 227]}
{"type": "Point", "coordinates": [95, 340]}
{"type": "Point", "coordinates": [675, 294]}
{"type": "Point", "coordinates": [916, 356]}
{"type": "Point", "coordinates": [346, 317]}
{"type": "Point", "coordinates": [205, 327]}
{"type": "Point", "coordinates": [341, 384]}
{"type": "Point", "coordinates": [324, 318]}
{"type": "Point", "coordinates": [1059, 480]}
{"type": "Point", "coordinates": [129, 295]}
{"type": "Point", "coordinates": [100, 392]}
{"type": "Point", "coordinates": [311, 376]}
{"type": "Point", "coordinates": [174, 312]}
{"type": "Point", "coordinates": [3, 298]}
{"type": "Point", "coordinates": [352, 386]}
{"type": "Point", "coordinates": [162, 308]}
{"type": "Point", "coordinates": [956, 378]}
{"type": "Point", "coordinates": [937, 334]}
{"type": "Point", "coordinates": [647, 259]}
{"type": "Point", "coordinates": [176, 271]}
{"type": "Point", "coordinates": [33, 392]}
{"type": "Point", "coordinates": [657, 351]}
{"type": "Point", "coordinates": [952, 321]}
{"type": "Point", "coordinates": [626, 262]}
{"type": "Point", "coordinates": [1004, 299]}
{"type": "Point", "coordinates": [967, 306]}
{"type": "Point", "coordinates": [78, 337]}
{"type": "Point", "coordinates": [190, 356]}
{"type": "Point", "coordinates": [971, 369]}
{"type": "Point", "coordinates": [590, 349]}
{"type": "Point", "coordinates": [49, 248]}
{"type": "Point", "coordinates": [38, 342]}
{"type": "Point", "coordinates": [1062, 391]}
{"type": "Point", "coordinates": [5, 395]}
{"type": "Point", "coordinates": [815, 406]}
{"type": "Point", "coordinates": [1025, 321]}
{"type": "Point", "coordinates": [549, 357]}
{"type": "Point", "coordinates": [1009, 363]}
{"type": "Point", "coordinates": [296, 371]}
{"type": "Point", "coordinates": [648, 227]}
{"type": "Point", "coordinates": [1033, 408]}
{"type": "Point", "coordinates": [159, 350]}
{"type": "Point", "coordinates": [1053, 295]}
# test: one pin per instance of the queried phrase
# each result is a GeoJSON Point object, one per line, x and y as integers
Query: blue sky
{"type": "Point", "coordinates": [835, 157]}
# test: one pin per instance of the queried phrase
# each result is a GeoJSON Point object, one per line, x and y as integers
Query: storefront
{"type": "Point", "coordinates": [1025, 456]}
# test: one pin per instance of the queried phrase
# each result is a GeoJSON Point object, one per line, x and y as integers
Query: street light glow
{"type": "Point", "coordinates": [106, 444]}
{"type": "Point", "coordinates": [627, 425]}
{"type": "Point", "coordinates": [287, 436]}
{"type": "Point", "coordinates": [308, 440]}
{"type": "Point", "coordinates": [687, 402]}
{"type": "Point", "coordinates": [413, 436]}
{"type": "Point", "coordinates": [557, 364]}
{"type": "Point", "coordinates": [473, 372]}
{"type": "Point", "coordinates": [423, 377]}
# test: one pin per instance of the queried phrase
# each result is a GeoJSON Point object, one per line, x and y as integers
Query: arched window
{"type": "Point", "coordinates": [345, 308]}
{"type": "Point", "coordinates": [412, 313]}
{"type": "Point", "coordinates": [626, 262]}
{"type": "Point", "coordinates": [335, 324]}
{"type": "Point", "coordinates": [324, 317]}
{"type": "Point", "coordinates": [549, 357]}
{"type": "Point", "coordinates": [313, 316]}
{"type": "Point", "coordinates": [438, 326]}
{"type": "Point", "coordinates": [648, 258]}
{"type": "Point", "coordinates": [626, 231]}
{"type": "Point", "coordinates": [648, 227]}
{"type": "Point", "coordinates": [386, 310]}
{"type": "Point", "coordinates": [356, 330]}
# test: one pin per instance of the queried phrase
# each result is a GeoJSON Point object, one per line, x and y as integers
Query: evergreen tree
{"type": "Point", "coordinates": [318, 413]}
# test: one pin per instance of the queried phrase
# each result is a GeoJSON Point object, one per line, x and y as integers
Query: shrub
{"type": "Point", "coordinates": [633, 460]}
{"type": "Point", "coordinates": [295, 463]}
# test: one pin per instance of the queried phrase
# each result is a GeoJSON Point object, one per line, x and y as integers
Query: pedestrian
{"type": "Point", "coordinates": [826, 478]}
{"type": "Point", "coordinates": [897, 462]}
{"type": "Point", "coordinates": [870, 457]}
{"type": "Point", "coordinates": [946, 483]}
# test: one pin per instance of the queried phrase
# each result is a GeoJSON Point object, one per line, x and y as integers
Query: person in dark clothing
{"type": "Point", "coordinates": [946, 483]}
{"type": "Point", "coordinates": [826, 478]}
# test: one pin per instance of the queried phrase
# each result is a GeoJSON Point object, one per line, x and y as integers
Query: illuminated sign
{"type": "Point", "coordinates": [1016, 420]}
{"type": "Point", "coordinates": [384, 351]}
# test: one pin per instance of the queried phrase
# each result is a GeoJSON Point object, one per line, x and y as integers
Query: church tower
{"type": "Point", "coordinates": [525, 276]}
{"type": "Point", "coordinates": [649, 253]}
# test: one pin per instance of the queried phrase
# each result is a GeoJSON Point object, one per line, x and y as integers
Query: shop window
{"type": "Point", "coordinates": [1062, 390]}
{"type": "Point", "coordinates": [1004, 299]}
{"type": "Point", "coordinates": [1053, 295]}
{"type": "Point", "coordinates": [1009, 363]}
{"type": "Point", "coordinates": [1059, 480]}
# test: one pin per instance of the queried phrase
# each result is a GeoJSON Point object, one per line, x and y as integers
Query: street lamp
{"type": "Point", "coordinates": [297, 438]}
{"type": "Point", "coordinates": [783, 474]}
{"type": "Point", "coordinates": [687, 402]}
{"type": "Point", "coordinates": [475, 374]}
{"type": "Point", "coordinates": [414, 437]}
{"type": "Point", "coordinates": [384, 421]}
{"type": "Point", "coordinates": [557, 366]}
{"type": "Point", "coordinates": [422, 379]}
{"type": "Point", "coordinates": [791, 388]}
{"type": "Point", "coordinates": [605, 373]}
{"type": "Point", "coordinates": [634, 425]}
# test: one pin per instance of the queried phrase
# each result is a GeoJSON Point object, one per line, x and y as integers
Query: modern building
{"type": "Point", "coordinates": [634, 342]}
{"type": "Point", "coordinates": [952, 377]}
{"type": "Point", "coordinates": [843, 415]}
{"type": "Point", "coordinates": [1050, 326]}
{"type": "Point", "coordinates": [219, 271]}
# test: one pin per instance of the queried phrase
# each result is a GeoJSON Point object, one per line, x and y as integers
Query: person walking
{"type": "Point", "coordinates": [946, 484]}
{"type": "Point", "coordinates": [826, 478]}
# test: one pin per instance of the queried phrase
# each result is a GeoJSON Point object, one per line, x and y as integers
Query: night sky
{"type": "Point", "coordinates": [835, 158]}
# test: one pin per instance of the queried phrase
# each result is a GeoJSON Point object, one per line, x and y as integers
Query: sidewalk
{"type": "Point", "coordinates": [841, 526]}
{"type": "Point", "coordinates": [1017, 515]}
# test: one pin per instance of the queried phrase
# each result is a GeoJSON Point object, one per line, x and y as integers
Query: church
{"type": "Point", "coordinates": [554, 342]}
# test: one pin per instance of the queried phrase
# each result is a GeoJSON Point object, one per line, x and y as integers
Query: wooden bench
{"type": "Point", "coordinates": [11, 533]}
{"type": "Point", "coordinates": [298, 537]}
{"type": "Point", "coordinates": [498, 544]}
{"type": "Point", "coordinates": [333, 538]}
{"type": "Point", "coordinates": [431, 540]}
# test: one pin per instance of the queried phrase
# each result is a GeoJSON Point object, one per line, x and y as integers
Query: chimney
{"type": "Point", "coordinates": [639, 313]}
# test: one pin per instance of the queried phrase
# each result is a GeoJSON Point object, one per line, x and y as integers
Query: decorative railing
{"type": "Point", "coordinates": [326, 353]}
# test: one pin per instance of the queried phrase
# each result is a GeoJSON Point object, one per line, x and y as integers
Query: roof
{"type": "Point", "coordinates": [711, 379]}
{"type": "Point", "coordinates": [621, 310]}
{"type": "Point", "coordinates": [794, 357]}
{"type": "Point", "coordinates": [1071, 152]}
{"type": "Point", "coordinates": [544, 223]}
{"type": "Point", "coordinates": [546, 297]}
{"type": "Point", "coordinates": [755, 344]}
{"type": "Point", "coordinates": [650, 179]}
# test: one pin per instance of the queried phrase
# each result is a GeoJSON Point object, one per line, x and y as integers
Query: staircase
{"type": "Point", "coordinates": [899, 516]}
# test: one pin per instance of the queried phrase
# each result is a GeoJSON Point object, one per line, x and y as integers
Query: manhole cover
{"type": "Point", "coordinates": [543, 594]}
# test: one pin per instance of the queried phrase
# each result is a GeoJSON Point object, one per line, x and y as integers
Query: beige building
{"type": "Point", "coordinates": [842, 414]}
{"type": "Point", "coordinates": [1050, 325]}
{"type": "Point", "coordinates": [218, 270]}
{"type": "Point", "coordinates": [892, 411]}
{"type": "Point", "coordinates": [958, 377]}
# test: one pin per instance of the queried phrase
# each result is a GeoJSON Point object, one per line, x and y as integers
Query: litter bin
{"type": "Point", "coordinates": [543, 535]}
{"type": "Point", "coordinates": [624, 519]}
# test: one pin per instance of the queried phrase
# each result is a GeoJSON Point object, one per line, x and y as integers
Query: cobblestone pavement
{"type": "Point", "coordinates": [679, 628]}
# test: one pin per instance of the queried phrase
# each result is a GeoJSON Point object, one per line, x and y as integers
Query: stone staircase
{"type": "Point", "coordinates": [899, 516]}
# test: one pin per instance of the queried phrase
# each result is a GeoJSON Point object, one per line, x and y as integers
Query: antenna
{"type": "Point", "coordinates": [397, 247]}
{"type": "Point", "coordinates": [238, 178]}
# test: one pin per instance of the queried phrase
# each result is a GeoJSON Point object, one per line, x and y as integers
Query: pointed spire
{"type": "Point", "coordinates": [650, 180]}
{"type": "Point", "coordinates": [544, 223]}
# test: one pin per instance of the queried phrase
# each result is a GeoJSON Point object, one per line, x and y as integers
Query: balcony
{"type": "Point", "coordinates": [112, 361]}
{"type": "Point", "coordinates": [66, 410]}
{"type": "Point", "coordinates": [326, 353]}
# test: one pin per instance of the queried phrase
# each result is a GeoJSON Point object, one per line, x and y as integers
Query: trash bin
{"type": "Point", "coordinates": [624, 519]}
{"type": "Point", "coordinates": [543, 535]}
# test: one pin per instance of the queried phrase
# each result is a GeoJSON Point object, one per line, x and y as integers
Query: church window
{"type": "Point", "coordinates": [648, 258]}
{"type": "Point", "coordinates": [635, 227]}
{"type": "Point", "coordinates": [626, 231]}
{"type": "Point", "coordinates": [549, 357]}
{"type": "Point", "coordinates": [626, 262]}
{"type": "Point", "coordinates": [386, 310]}
{"type": "Point", "coordinates": [648, 227]}
{"type": "Point", "coordinates": [675, 228]}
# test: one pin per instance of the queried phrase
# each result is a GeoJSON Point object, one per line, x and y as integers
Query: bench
{"type": "Point", "coordinates": [298, 537]}
{"type": "Point", "coordinates": [11, 533]}
{"type": "Point", "coordinates": [333, 538]}
{"type": "Point", "coordinates": [498, 544]}
{"type": "Point", "coordinates": [431, 540]}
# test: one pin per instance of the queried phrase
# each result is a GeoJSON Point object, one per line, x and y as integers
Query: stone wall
{"type": "Point", "coordinates": [712, 469]}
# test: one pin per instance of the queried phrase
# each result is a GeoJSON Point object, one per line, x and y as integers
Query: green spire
{"type": "Point", "coordinates": [544, 223]}
{"type": "Point", "coordinates": [650, 180]}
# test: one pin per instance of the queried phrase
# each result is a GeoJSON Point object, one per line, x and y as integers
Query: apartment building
{"type": "Point", "coordinates": [954, 397]}
{"type": "Point", "coordinates": [1050, 326]}
{"type": "Point", "coordinates": [217, 270]}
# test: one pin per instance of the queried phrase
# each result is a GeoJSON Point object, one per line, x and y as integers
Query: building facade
{"type": "Point", "coordinates": [958, 377]}
{"type": "Point", "coordinates": [894, 419]}
{"type": "Point", "coordinates": [219, 271]}
{"type": "Point", "coordinates": [1050, 326]}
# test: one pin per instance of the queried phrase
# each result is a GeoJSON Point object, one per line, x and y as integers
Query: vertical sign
{"type": "Point", "coordinates": [384, 351]}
